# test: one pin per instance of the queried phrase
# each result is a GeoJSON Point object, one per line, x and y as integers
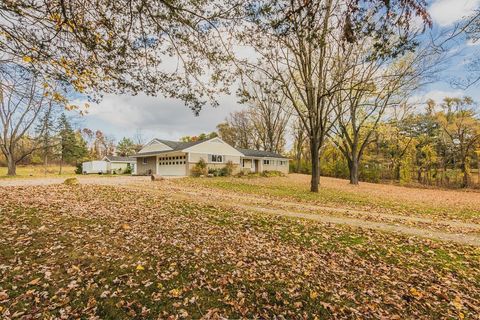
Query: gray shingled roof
{"type": "Point", "coordinates": [179, 145]}
{"type": "Point", "coordinates": [260, 153]}
{"type": "Point", "coordinates": [175, 145]}
{"type": "Point", "coordinates": [120, 159]}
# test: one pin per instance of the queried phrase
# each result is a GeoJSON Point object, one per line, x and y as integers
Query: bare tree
{"type": "Point", "coordinates": [138, 140]}
{"type": "Point", "coordinates": [299, 43]}
{"type": "Point", "coordinates": [239, 130]}
{"type": "Point", "coordinates": [23, 96]}
{"type": "Point", "coordinates": [269, 114]}
{"type": "Point", "coordinates": [371, 87]}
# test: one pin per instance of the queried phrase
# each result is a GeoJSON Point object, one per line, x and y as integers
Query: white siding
{"type": "Point", "coordinates": [195, 157]}
{"type": "Point", "coordinates": [214, 146]}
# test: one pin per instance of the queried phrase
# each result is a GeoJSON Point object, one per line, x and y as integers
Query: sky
{"type": "Point", "coordinates": [156, 117]}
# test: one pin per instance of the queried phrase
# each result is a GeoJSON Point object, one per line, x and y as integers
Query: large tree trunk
{"type": "Point", "coordinates": [315, 166]}
{"type": "Point", "coordinates": [12, 166]}
{"type": "Point", "coordinates": [354, 170]}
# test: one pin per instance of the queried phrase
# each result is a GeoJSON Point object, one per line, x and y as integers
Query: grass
{"type": "Point", "coordinates": [37, 171]}
{"type": "Point", "coordinates": [335, 194]}
{"type": "Point", "coordinates": [108, 252]}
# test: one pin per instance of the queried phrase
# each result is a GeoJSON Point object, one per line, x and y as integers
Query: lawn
{"type": "Point", "coordinates": [453, 204]}
{"type": "Point", "coordinates": [32, 171]}
{"type": "Point", "coordinates": [114, 253]}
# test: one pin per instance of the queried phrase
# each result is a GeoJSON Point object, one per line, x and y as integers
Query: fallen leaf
{"type": "Point", "coordinates": [417, 294]}
{"type": "Point", "coordinates": [34, 282]}
{"type": "Point", "coordinates": [457, 303]}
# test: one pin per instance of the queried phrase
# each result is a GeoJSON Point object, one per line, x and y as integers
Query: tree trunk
{"type": "Point", "coordinates": [478, 167]}
{"type": "Point", "coordinates": [463, 167]}
{"type": "Point", "coordinates": [315, 166]}
{"type": "Point", "coordinates": [397, 171]}
{"type": "Point", "coordinates": [12, 166]}
{"type": "Point", "coordinates": [61, 165]}
{"type": "Point", "coordinates": [45, 163]}
{"type": "Point", "coordinates": [297, 166]}
{"type": "Point", "coordinates": [354, 170]}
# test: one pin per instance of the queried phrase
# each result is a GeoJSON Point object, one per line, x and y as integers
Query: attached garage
{"type": "Point", "coordinates": [172, 165]}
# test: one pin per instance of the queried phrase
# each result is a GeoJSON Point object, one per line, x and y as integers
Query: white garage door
{"type": "Point", "coordinates": [175, 167]}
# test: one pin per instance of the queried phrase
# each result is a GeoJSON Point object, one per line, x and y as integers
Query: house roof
{"type": "Point", "coordinates": [173, 145]}
{"type": "Point", "coordinates": [119, 159]}
{"type": "Point", "coordinates": [179, 145]}
{"type": "Point", "coordinates": [260, 153]}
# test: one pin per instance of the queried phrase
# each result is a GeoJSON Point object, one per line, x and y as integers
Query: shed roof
{"type": "Point", "coordinates": [119, 159]}
{"type": "Point", "coordinates": [259, 153]}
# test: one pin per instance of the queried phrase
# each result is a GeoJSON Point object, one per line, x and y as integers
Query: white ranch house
{"type": "Point", "coordinates": [175, 158]}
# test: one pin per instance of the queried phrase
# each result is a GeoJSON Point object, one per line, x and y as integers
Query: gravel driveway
{"type": "Point", "coordinates": [98, 180]}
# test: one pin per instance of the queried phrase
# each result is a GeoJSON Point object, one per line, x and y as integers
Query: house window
{"type": "Point", "coordinates": [282, 162]}
{"type": "Point", "coordinates": [216, 158]}
{"type": "Point", "coordinates": [145, 160]}
{"type": "Point", "coordinates": [267, 162]}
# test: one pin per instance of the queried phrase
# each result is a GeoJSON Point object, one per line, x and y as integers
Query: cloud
{"type": "Point", "coordinates": [447, 12]}
{"type": "Point", "coordinates": [436, 95]}
{"type": "Point", "coordinates": [121, 115]}
{"type": "Point", "coordinates": [472, 43]}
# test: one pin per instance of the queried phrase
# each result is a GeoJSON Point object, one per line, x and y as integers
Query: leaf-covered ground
{"type": "Point", "coordinates": [113, 252]}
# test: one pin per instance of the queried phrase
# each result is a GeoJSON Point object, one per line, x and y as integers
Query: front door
{"type": "Point", "coordinates": [255, 165]}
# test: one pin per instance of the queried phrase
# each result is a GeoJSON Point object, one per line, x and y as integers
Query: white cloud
{"type": "Point", "coordinates": [436, 95]}
{"type": "Point", "coordinates": [472, 43]}
{"type": "Point", "coordinates": [121, 115]}
{"type": "Point", "coordinates": [447, 12]}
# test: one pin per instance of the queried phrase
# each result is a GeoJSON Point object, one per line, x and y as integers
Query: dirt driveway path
{"type": "Point", "coordinates": [86, 179]}
{"type": "Point", "coordinates": [438, 229]}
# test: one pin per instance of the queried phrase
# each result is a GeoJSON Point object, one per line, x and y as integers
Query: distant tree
{"type": "Point", "coordinates": [299, 142]}
{"type": "Point", "coordinates": [461, 127]}
{"type": "Point", "coordinates": [238, 130]}
{"type": "Point", "coordinates": [67, 145]}
{"type": "Point", "coordinates": [227, 133]}
{"type": "Point", "coordinates": [268, 113]}
{"type": "Point", "coordinates": [200, 137]}
{"type": "Point", "coordinates": [47, 133]}
{"type": "Point", "coordinates": [81, 148]}
{"type": "Point", "coordinates": [138, 140]}
{"type": "Point", "coordinates": [103, 145]}
{"type": "Point", "coordinates": [126, 147]}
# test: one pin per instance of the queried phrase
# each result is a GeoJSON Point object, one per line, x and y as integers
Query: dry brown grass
{"type": "Point", "coordinates": [437, 203]}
